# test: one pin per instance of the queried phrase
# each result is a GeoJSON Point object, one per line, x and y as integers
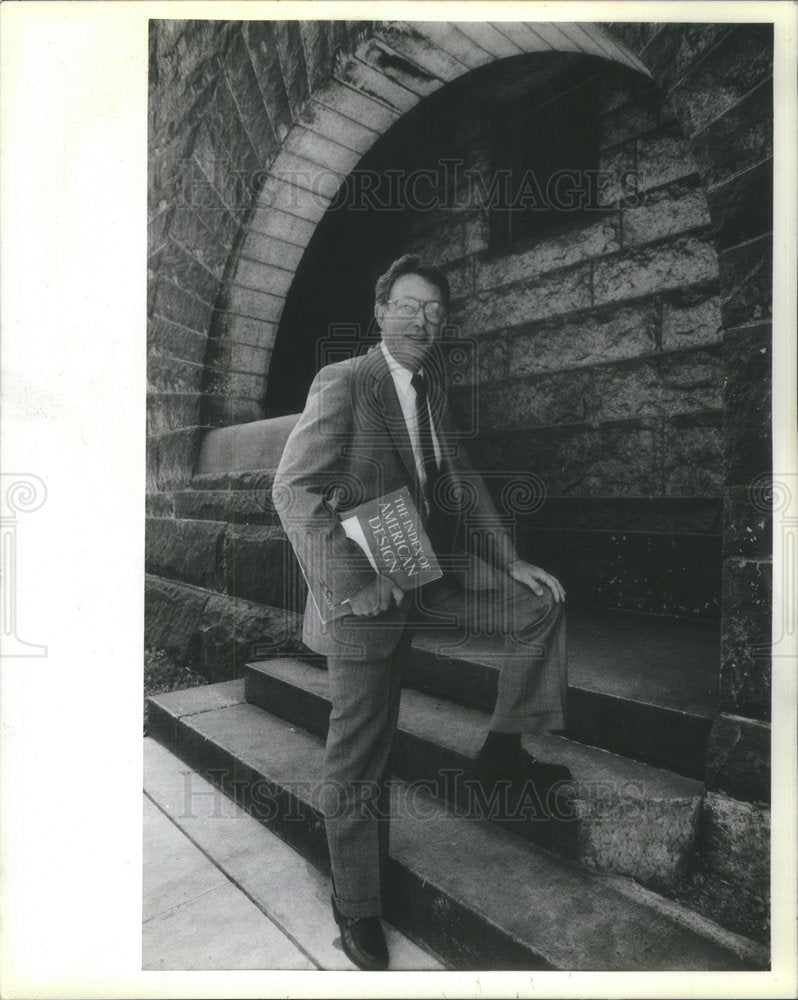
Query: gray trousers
{"type": "Point", "coordinates": [365, 699]}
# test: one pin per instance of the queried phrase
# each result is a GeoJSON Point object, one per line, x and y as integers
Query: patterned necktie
{"type": "Point", "coordinates": [439, 524]}
{"type": "Point", "coordinates": [425, 436]}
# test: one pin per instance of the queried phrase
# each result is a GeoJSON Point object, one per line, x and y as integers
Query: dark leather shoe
{"type": "Point", "coordinates": [519, 766]}
{"type": "Point", "coordinates": [363, 940]}
{"type": "Point", "coordinates": [530, 789]}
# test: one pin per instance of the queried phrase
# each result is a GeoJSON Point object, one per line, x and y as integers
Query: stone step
{"type": "Point", "coordinates": [638, 684]}
{"type": "Point", "coordinates": [626, 817]}
{"type": "Point", "coordinates": [473, 893]}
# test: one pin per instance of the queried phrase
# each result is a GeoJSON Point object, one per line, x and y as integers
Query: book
{"type": "Point", "coordinates": [391, 533]}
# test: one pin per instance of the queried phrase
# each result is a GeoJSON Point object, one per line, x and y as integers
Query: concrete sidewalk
{"type": "Point", "coordinates": [222, 892]}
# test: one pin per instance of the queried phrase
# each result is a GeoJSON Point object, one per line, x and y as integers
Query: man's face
{"type": "Point", "coordinates": [409, 338]}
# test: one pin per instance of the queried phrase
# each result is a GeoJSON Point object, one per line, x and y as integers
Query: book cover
{"type": "Point", "coordinates": [390, 532]}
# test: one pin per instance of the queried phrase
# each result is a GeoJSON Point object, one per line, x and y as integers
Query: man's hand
{"type": "Point", "coordinates": [532, 576]}
{"type": "Point", "coordinates": [374, 598]}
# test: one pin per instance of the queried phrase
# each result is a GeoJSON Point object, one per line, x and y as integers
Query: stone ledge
{"type": "Point", "coordinates": [738, 758]}
{"type": "Point", "coordinates": [188, 551]}
{"type": "Point", "coordinates": [215, 634]}
{"type": "Point", "coordinates": [730, 877]}
{"type": "Point", "coordinates": [745, 671]}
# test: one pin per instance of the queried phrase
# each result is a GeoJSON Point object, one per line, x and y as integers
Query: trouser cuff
{"type": "Point", "coordinates": [357, 910]}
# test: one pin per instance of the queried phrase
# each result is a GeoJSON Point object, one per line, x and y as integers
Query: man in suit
{"type": "Point", "coordinates": [372, 424]}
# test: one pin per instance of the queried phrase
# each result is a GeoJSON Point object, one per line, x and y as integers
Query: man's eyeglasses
{"type": "Point", "coordinates": [408, 308]}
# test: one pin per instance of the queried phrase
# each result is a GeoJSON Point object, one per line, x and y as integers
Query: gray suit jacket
{"type": "Point", "coordinates": [351, 445]}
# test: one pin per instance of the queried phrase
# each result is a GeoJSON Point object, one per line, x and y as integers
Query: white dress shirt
{"type": "Point", "coordinates": [407, 400]}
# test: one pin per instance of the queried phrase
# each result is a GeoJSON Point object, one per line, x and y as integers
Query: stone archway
{"type": "Point", "coordinates": [369, 90]}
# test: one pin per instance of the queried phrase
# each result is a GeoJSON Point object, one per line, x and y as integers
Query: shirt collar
{"type": "Point", "coordinates": [401, 375]}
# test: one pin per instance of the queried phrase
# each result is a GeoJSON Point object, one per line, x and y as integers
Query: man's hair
{"type": "Point", "coordinates": [411, 264]}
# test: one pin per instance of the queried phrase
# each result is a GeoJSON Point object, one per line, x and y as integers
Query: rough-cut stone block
{"type": "Point", "coordinates": [542, 401]}
{"type": "Point", "coordinates": [443, 243]}
{"type": "Point", "coordinates": [662, 160]}
{"type": "Point", "coordinates": [665, 212]}
{"type": "Point", "coordinates": [222, 224]}
{"type": "Point", "coordinates": [176, 340]}
{"type": "Point", "coordinates": [189, 551]}
{"type": "Point", "coordinates": [742, 207]}
{"type": "Point", "coordinates": [690, 318]}
{"type": "Point", "coordinates": [671, 50]}
{"type": "Point", "coordinates": [747, 523]}
{"type": "Point", "coordinates": [738, 757]}
{"type": "Point", "coordinates": [635, 34]}
{"type": "Point", "coordinates": [233, 631]}
{"type": "Point", "coordinates": [476, 361]}
{"type": "Point", "coordinates": [731, 883]}
{"type": "Point", "coordinates": [692, 455]}
{"type": "Point", "coordinates": [746, 639]}
{"type": "Point", "coordinates": [459, 277]}
{"type": "Point", "coordinates": [590, 339]}
{"type": "Point", "coordinates": [248, 98]}
{"type": "Point", "coordinates": [593, 240]}
{"type": "Point", "coordinates": [747, 403]}
{"type": "Point", "coordinates": [159, 505]}
{"type": "Point", "coordinates": [318, 54]}
{"type": "Point", "coordinates": [225, 152]}
{"type": "Point", "coordinates": [746, 282]}
{"type": "Point", "coordinates": [476, 234]}
{"type": "Point", "coordinates": [242, 506]}
{"type": "Point", "coordinates": [660, 386]}
{"type": "Point", "coordinates": [661, 267]}
{"type": "Point", "coordinates": [288, 40]}
{"type": "Point", "coordinates": [167, 411]}
{"type": "Point", "coordinates": [738, 140]}
{"type": "Point", "coordinates": [179, 306]}
{"type": "Point", "coordinates": [261, 566]}
{"type": "Point", "coordinates": [621, 460]}
{"type": "Point", "coordinates": [618, 175]}
{"type": "Point", "coordinates": [551, 295]}
{"type": "Point", "coordinates": [741, 60]}
{"type": "Point", "coordinates": [672, 515]}
{"type": "Point", "coordinates": [202, 243]}
{"type": "Point", "coordinates": [262, 46]}
{"type": "Point", "coordinates": [173, 458]}
{"type": "Point", "coordinates": [177, 265]}
{"type": "Point", "coordinates": [172, 615]}
{"type": "Point", "coordinates": [628, 120]}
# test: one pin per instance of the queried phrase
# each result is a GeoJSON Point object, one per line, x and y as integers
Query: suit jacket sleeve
{"type": "Point", "coordinates": [310, 469]}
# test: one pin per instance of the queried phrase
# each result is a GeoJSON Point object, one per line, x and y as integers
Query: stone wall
{"type": "Point", "coordinates": [223, 98]}
{"type": "Point", "coordinates": [718, 79]}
